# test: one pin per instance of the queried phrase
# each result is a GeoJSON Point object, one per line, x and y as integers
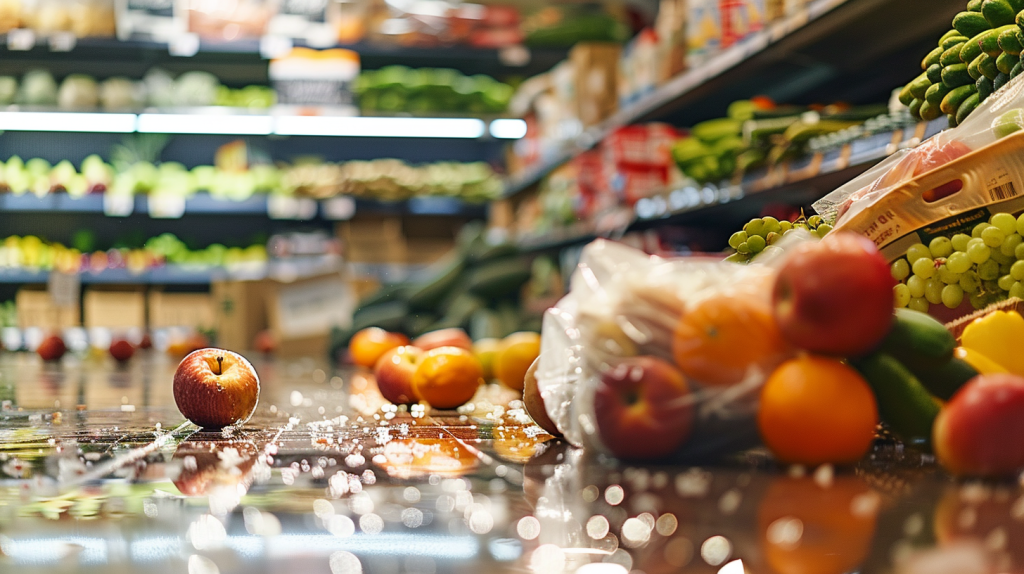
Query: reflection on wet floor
{"type": "Point", "coordinates": [99, 473]}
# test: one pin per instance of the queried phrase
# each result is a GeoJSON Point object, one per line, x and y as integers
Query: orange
{"type": "Point", "coordinates": [447, 377]}
{"type": "Point", "coordinates": [370, 344]}
{"type": "Point", "coordinates": [722, 338]}
{"type": "Point", "coordinates": [816, 410]}
{"type": "Point", "coordinates": [517, 353]}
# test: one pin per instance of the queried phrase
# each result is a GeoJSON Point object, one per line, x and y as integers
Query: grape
{"type": "Point", "coordinates": [933, 291]}
{"type": "Point", "coordinates": [1009, 246]}
{"type": "Point", "coordinates": [969, 282]}
{"type": "Point", "coordinates": [1005, 222]}
{"type": "Point", "coordinates": [900, 269]}
{"type": "Point", "coordinates": [754, 227]}
{"type": "Point", "coordinates": [919, 304]}
{"type": "Point", "coordinates": [990, 286]}
{"type": "Point", "coordinates": [736, 238]}
{"type": "Point", "coordinates": [901, 295]}
{"type": "Point", "coordinates": [1005, 282]}
{"type": "Point", "coordinates": [916, 286]}
{"type": "Point", "coordinates": [1018, 251]}
{"type": "Point", "coordinates": [756, 244]}
{"type": "Point", "coordinates": [924, 268]}
{"type": "Point", "coordinates": [1004, 268]}
{"type": "Point", "coordinates": [771, 225]}
{"type": "Point", "coordinates": [917, 251]}
{"type": "Point", "coordinates": [947, 276]}
{"type": "Point", "coordinates": [823, 229]}
{"type": "Point", "coordinates": [978, 301]}
{"type": "Point", "coordinates": [952, 296]}
{"type": "Point", "coordinates": [1020, 224]}
{"type": "Point", "coordinates": [785, 225]}
{"type": "Point", "coordinates": [743, 247]}
{"type": "Point", "coordinates": [988, 271]}
{"type": "Point", "coordinates": [998, 257]}
{"type": "Point", "coordinates": [1017, 290]}
{"type": "Point", "coordinates": [978, 252]}
{"type": "Point", "coordinates": [814, 220]}
{"type": "Point", "coordinates": [959, 241]}
{"type": "Point", "coordinates": [772, 238]}
{"type": "Point", "coordinates": [993, 236]}
{"type": "Point", "coordinates": [979, 228]}
{"type": "Point", "coordinates": [940, 247]}
{"type": "Point", "coordinates": [958, 262]}
{"type": "Point", "coordinates": [1017, 271]}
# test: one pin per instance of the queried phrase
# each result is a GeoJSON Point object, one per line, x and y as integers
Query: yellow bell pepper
{"type": "Point", "coordinates": [981, 363]}
{"type": "Point", "coordinates": [998, 336]}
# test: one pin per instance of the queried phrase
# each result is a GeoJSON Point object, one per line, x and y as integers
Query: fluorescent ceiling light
{"type": "Point", "coordinates": [379, 127]}
{"type": "Point", "coordinates": [508, 129]}
{"type": "Point", "coordinates": [205, 124]}
{"type": "Point", "coordinates": [67, 122]}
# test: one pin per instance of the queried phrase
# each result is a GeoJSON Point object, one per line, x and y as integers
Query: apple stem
{"type": "Point", "coordinates": [220, 365]}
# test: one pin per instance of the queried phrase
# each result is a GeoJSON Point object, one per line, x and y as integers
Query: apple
{"type": "Point", "coordinates": [454, 337]}
{"type": "Point", "coordinates": [534, 401]}
{"type": "Point", "coordinates": [209, 466]}
{"type": "Point", "coordinates": [980, 431]}
{"type": "Point", "coordinates": [394, 372]}
{"type": "Point", "coordinates": [367, 346]}
{"type": "Point", "coordinates": [121, 350]}
{"type": "Point", "coordinates": [51, 348]}
{"type": "Point", "coordinates": [146, 342]}
{"type": "Point", "coordinates": [834, 297]}
{"type": "Point", "coordinates": [642, 409]}
{"type": "Point", "coordinates": [215, 388]}
{"type": "Point", "coordinates": [265, 342]}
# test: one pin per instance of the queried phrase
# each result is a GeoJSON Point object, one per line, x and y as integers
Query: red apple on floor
{"type": "Point", "coordinates": [121, 350]}
{"type": "Point", "coordinates": [444, 338]}
{"type": "Point", "coordinates": [394, 373]}
{"type": "Point", "coordinates": [834, 296]}
{"type": "Point", "coordinates": [534, 402]}
{"type": "Point", "coordinates": [643, 409]}
{"type": "Point", "coordinates": [146, 342]}
{"type": "Point", "coordinates": [52, 348]}
{"type": "Point", "coordinates": [215, 388]}
{"type": "Point", "coordinates": [980, 431]}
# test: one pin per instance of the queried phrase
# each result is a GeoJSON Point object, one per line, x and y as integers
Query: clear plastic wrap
{"type": "Point", "coordinates": [707, 319]}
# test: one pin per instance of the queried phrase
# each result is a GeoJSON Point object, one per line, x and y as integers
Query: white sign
{"type": "Point", "coordinates": [314, 307]}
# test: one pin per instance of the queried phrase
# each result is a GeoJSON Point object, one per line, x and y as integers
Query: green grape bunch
{"type": "Point", "coordinates": [985, 267]}
{"type": "Point", "coordinates": [759, 235]}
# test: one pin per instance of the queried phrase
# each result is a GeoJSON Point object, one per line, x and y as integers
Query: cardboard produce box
{"type": "Point", "coordinates": [595, 65]}
{"type": "Point", "coordinates": [193, 310]}
{"type": "Point", "coordinates": [115, 308]}
{"type": "Point", "coordinates": [374, 240]}
{"type": "Point", "coordinates": [36, 308]}
{"type": "Point", "coordinates": [303, 313]}
{"type": "Point", "coordinates": [240, 312]}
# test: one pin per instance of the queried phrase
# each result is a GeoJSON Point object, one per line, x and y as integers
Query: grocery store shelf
{"type": "Point", "coordinates": [801, 181]}
{"type": "Point", "coordinates": [799, 57]}
{"type": "Point", "coordinates": [231, 121]}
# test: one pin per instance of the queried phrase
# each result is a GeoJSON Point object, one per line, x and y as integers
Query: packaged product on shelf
{"type": "Point", "coordinates": [947, 214]}
{"type": "Point", "coordinates": [670, 28]}
{"type": "Point", "coordinates": [638, 160]}
{"type": "Point", "coordinates": [595, 66]}
{"type": "Point", "coordinates": [740, 18]}
{"type": "Point", "coordinates": [311, 77]}
{"type": "Point", "coordinates": [317, 22]}
{"type": "Point", "coordinates": [229, 21]}
{"type": "Point", "coordinates": [638, 67]}
{"type": "Point", "coordinates": [703, 31]}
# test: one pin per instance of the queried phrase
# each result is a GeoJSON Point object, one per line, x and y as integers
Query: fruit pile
{"type": "Point", "coordinates": [758, 235]}
{"type": "Point", "coordinates": [974, 59]}
{"type": "Point", "coordinates": [984, 267]}
{"type": "Point", "coordinates": [427, 90]}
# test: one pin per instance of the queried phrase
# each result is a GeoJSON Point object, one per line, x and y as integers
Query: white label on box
{"type": "Point", "coordinates": [20, 39]}
{"type": "Point", "coordinates": [166, 206]}
{"type": "Point", "coordinates": [184, 45]}
{"type": "Point", "coordinates": [64, 288]}
{"type": "Point", "coordinates": [340, 208]}
{"type": "Point", "coordinates": [314, 307]}
{"type": "Point", "coordinates": [118, 204]}
{"type": "Point", "coordinates": [284, 207]}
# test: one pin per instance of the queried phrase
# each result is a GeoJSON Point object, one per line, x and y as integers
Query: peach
{"type": "Point", "coordinates": [394, 373]}
{"type": "Point", "coordinates": [454, 337]}
{"type": "Point", "coordinates": [980, 431]}
{"type": "Point", "coordinates": [370, 344]}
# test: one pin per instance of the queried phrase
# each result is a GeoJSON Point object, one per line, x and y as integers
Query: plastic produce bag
{"type": "Point", "coordinates": [704, 318]}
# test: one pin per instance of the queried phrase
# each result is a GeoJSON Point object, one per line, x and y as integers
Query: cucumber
{"type": "Point", "coordinates": [915, 109]}
{"type": "Point", "coordinates": [920, 85]}
{"type": "Point", "coordinates": [1017, 5]}
{"type": "Point", "coordinates": [999, 81]}
{"type": "Point", "coordinates": [929, 111]}
{"type": "Point", "coordinates": [1019, 20]}
{"type": "Point", "coordinates": [971, 24]}
{"type": "Point", "coordinates": [952, 120]}
{"type": "Point", "coordinates": [987, 66]}
{"type": "Point", "coordinates": [1005, 62]}
{"type": "Point", "coordinates": [388, 316]}
{"type": "Point", "coordinates": [953, 76]}
{"type": "Point", "coordinates": [968, 106]}
{"type": "Point", "coordinates": [974, 6]}
{"type": "Point", "coordinates": [935, 94]}
{"type": "Point", "coordinates": [918, 339]}
{"type": "Point", "coordinates": [385, 294]}
{"type": "Point", "coordinates": [946, 379]}
{"type": "Point", "coordinates": [428, 294]}
{"type": "Point", "coordinates": [951, 103]}
{"type": "Point", "coordinates": [998, 12]}
{"type": "Point", "coordinates": [903, 402]}
{"type": "Point", "coordinates": [985, 88]}
{"type": "Point", "coordinates": [951, 56]}
{"type": "Point", "coordinates": [949, 35]}
{"type": "Point", "coordinates": [987, 42]}
{"type": "Point", "coordinates": [1009, 41]}
{"type": "Point", "coordinates": [905, 96]}
{"type": "Point", "coordinates": [1017, 69]}
{"type": "Point", "coordinates": [953, 41]}
{"type": "Point", "coordinates": [973, 68]}
{"type": "Point", "coordinates": [500, 278]}
{"type": "Point", "coordinates": [932, 58]}
{"type": "Point", "coordinates": [934, 74]}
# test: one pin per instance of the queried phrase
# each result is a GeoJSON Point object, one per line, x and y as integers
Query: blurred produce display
{"type": "Point", "coordinates": [422, 90]}
{"type": "Point", "coordinates": [83, 18]}
{"type": "Point", "coordinates": [385, 179]}
{"type": "Point", "coordinates": [158, 88]}
{"type": "Point", "coordinates": [32, 253]}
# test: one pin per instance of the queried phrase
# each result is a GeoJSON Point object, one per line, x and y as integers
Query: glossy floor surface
{"type": "Point", "coordinates": [99, 473]}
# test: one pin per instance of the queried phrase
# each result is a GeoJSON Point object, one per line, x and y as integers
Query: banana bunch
{"type": "Point", "coordinates": [912, 371]}
{"type": "Point", "coordinates": [973, 60]}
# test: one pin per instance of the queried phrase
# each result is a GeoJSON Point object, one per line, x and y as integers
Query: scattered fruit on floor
{"type": "Point", "coordinates": [980, 432]}
{"type": "Point", "coordinates": [394, 373]}
{"type": "Point", "coordinates": [367, 346]}
{"type": "Point", "coordinates": [215, 388]}
{"type": "Point", "coordinates": [51, 348]}
{"type": "Point", "coordinates": [447, 377]}
{"type": "Point", "coordinates": [515, 355]}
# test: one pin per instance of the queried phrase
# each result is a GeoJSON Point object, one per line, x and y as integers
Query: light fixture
{"type": "Point", "coordinates": [508, 129]}
{"type": "Point", "coordinates": [465, 128]}
{"type": "Point", "coordinates": [244, 124]}
{"type": "Point", "coordinates": [67, 122]}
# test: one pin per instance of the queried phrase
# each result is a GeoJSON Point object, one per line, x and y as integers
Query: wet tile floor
{"type": "Point", "coordinates": [99, 473]}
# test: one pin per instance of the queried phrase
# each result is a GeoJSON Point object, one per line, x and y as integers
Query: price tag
{"type": "Point", "coordinates": [166, 206]}
{"type": "Point", "coordinates": [339, 208]}
{"type": "Point", "coordinates": [274, 47]}
{"type": "Point", "coordinates": [20, 40]}
{"type": "Point", "coordinates": [64, 288]}
{"type": "Point", "coordinates": [62, 42]}
{"type": "Point", "coordinates": [517, 55]}
{"type": "Point", "coordinates": [184, 45]}
{"type": "Point", "coordinates": [284, 207]}
{"type": "Point", "coordinates": [118, 204]}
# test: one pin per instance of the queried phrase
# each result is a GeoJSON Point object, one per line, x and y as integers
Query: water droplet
{"type": "Point", "coordinates": [371, 523]}
{"type": "Point", "coordinates": [614, 495]}
{"type": "Point", "coordinates": [734, 567]}
{"type": "Point", "coordinates": [341, 526]}
{"type": "Point", "coordinates": [730, 501]}
{"type": "Point", "coordinates": [201, 565]}
{"type": "Point", "coordinates": [345, 563]}
{"type": "Point", "coordinates": [412, 517]}
{"type": "Point", "coordinates": [716, 550]}
{"type": "Point", "coordinates": [785, 532]}
{"type": "Point", "coordinates": [597, 527]}
{"type": "Point", "coordinates": [323, 509]}
{"type": "Point", "coordinates": [528, 528]}
{"type": "Point", "coordinates": [547, 558]}
{"type": "Point", "coordinates": [666, 524]}
{"type": "Point", "coordinates": [635, 532]}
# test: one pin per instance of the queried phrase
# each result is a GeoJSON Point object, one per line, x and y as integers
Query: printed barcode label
{"type": "Point", "coordinates": [1001, 192]}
